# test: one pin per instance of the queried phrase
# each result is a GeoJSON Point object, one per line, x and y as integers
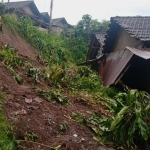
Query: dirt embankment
{"type": "Point", "coordinates": [33, 117]}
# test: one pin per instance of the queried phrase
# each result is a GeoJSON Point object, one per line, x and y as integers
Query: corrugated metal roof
{"type": "Point", "coordinates": [137, 26]}
{"type": "Point", "coordinates": [143, 53]}
{"type": "Point", "coordinates": [116, 62]}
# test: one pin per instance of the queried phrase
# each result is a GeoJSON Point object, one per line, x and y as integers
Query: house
{"type": "Point", "coordinates": [126, 53]}
{"type": "Point", "coordinates": [60, 24]}
{"type": "Point", "coordinates": [41, 20]}
{"type": "Point", "coordinates": [27, 8]}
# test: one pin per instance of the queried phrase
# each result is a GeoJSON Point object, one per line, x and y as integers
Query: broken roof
{"type": "Point", "coordinates": [137, 26]}
{"type": "Point", "coordinates": [116, 63]}
{"type": "Point", "coordinates": [100, 36]}
{"type": "Point", "coordinates": [97, 41]}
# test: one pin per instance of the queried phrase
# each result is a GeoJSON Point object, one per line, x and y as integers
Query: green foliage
{"type": "Point", "coordinates": [58, 49]}
{"type": "Point", "coordinates": [10, 59]}
{"type": "Point", "coordinates": [62, 127]}
{"type": "Point", "coordinates": [81, 36]}
{"type": "Point", "coordinates": [2, 8]}
{"type": "Point", "coordinates": [129, 124]}
{"type": "Point", "coordinates": [54, 96]}
{"type": "Point", "coordinates": [78, 46]}
{"type": "Point", "coordinates": [7, 141]}
{"type": "Point", "coordinates": [87, 26]}
{"type": "Point", "coordinates": [85, 79]}
{"type": "Point", "coordinates": [54, 48]}
{"type": "Point", "coordinates": [30, 136]}
{"type": "Point", "coordinates": [35, 73]}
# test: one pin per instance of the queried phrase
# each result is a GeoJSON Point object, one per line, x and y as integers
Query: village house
{"type": "Point", "coordinates": [41, 20]}
{"type": "Point", "coordinates": [126, 53]}
{"type": "Point", "coordinates": [59, 25]}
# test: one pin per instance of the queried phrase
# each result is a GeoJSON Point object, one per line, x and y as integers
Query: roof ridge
{"type": "Point", "coordinates": [130, 17]}
{"type": "Point", "coordinates": [21, 1]}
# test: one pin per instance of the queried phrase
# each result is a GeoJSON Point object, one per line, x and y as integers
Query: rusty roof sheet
{"type": "Point", "coordinates": [138, 26]}
{"type": "Point", "coordinates": [116, 62]}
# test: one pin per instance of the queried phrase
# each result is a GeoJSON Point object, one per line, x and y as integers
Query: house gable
{"type": "Point", "coordinates": [137, 27]}
{"type": "Point", "coordinates": [124, 39]}
{"type": "Point", "coordinates": [28, 7]}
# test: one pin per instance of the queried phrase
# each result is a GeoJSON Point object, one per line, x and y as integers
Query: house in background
{"type": "Point", "coordinates": [27, 8]}
{"type": "Point", "coordinates": [41, 20]}
{"type": "Point", "coordinates": [126, 53]}
{"type": "Point", "coordinates": [60, 24]}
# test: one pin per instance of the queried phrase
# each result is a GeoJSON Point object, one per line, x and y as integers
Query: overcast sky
{"type": "Point", "coordinates": [73, 10]}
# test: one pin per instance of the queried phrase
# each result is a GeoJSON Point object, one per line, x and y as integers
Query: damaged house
{"type": "Point", "coordinates": [126, 53]}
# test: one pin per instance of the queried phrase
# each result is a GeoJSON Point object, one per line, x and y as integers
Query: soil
{"type": "Point", "coordinates": [33, 117]}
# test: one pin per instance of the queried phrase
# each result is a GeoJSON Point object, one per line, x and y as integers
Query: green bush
{"type": "Point", "coordinates": [6, 136]}
{"type": "Point", "coordinates": [129, 123]}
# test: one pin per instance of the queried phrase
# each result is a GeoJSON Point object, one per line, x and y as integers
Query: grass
{"type": "Point", "coordinates": [6, 136]}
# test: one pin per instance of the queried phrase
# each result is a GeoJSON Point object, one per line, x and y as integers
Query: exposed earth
{"type": "Point", "coordinates": [35, 119]}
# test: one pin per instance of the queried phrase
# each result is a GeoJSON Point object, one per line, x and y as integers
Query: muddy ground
{"type": "Point", "coordinates": [35, 119]}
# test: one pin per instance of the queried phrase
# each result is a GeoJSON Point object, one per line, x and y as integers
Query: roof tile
{"type": "Point", "coordinates": [137, 26]}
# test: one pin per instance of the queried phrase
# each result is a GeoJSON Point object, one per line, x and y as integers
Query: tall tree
{"type": "Point", "coordinates": [87, 26]}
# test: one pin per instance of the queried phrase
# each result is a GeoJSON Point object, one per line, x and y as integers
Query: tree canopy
{"type": "Point", "coordinates": [87, 26]}
{"type": "Point", "coordinates": [81, 35]}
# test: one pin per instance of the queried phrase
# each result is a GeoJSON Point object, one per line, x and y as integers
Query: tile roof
{"type": "Point", "coordinates": [22, 4]}
{"type": "Point", "coordinates": [137, 26]}
{"type": "Point", "coordinates": [44, 13]}
{"type": "Point", "coordinates": [57, 20]}
{"type": "Point", "coordinates": [18, 4]}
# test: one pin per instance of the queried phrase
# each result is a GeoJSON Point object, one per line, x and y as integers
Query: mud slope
{"type": "Point", "coordinates": [24, 48]}
{"type": "Point", "coordinates": [32, 116]}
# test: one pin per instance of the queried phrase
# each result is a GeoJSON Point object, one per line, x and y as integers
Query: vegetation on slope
{"type": "Point", "coordinates": [7, 141]}
{"type": "Point", "coordinates": [121, 118]}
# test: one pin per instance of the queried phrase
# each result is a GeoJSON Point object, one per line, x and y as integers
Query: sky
{"type": "Point", "coordinates": [73, 10]}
